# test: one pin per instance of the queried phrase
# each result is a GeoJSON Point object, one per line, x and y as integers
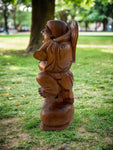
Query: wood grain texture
{"type": "Point", "coordinates": [56, 56]}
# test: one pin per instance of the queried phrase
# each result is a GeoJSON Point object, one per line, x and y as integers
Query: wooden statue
{"type": "Point", "coordinates": [56, 56]}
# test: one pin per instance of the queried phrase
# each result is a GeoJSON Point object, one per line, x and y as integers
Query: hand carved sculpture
{"type": "Point", "coordinates": [56, 56]}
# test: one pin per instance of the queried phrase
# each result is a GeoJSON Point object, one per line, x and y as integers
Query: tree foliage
{"type": "Point", "coordinates": [23, 18]}
{"type": "Point", "coordinates": [42, 11]}
{"type": "Point", "coordinates": [79, 2]}
{"type": "Point", "coordinates": [85, 11]}
{"type": "Point", "coordinates": [7, 2]}
{"type": "Point", "coordinates": [67, 10]}
{"type": "Point", "coordinates": [5, 11]}
{"type": "Point", "coordinates": [100, 11]}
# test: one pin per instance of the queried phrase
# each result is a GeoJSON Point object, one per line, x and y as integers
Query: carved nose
{"type": "Point", "coordinates": [43, 31]}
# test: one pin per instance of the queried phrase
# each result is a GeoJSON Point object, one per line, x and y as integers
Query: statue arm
{"type": "Point", "coordinates": [63, 38]}
{"type": "Point", "coordinates": [41, 53]}
{"type": "Point", "coordinates": [74, 37]}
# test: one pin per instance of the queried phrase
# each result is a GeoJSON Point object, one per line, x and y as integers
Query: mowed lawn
{"type": "Point", "coordinates": [20, 102]}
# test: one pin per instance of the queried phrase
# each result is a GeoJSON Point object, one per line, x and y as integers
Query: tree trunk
{"type": "Point", "coordinates": [14, 16]}
{"type": "Point", "coordinates": [105, 24]}
{"type": "Point", "coordinates": [6, 17]}
{"type": "Point", "coordinates": [86, 25]}
{"type": "Point", "coordinates": [42, 11]}
{"type": "Point", "coordinates": [96, 26]}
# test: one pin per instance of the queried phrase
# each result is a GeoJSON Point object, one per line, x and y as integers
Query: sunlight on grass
{"type": "Point", "coordinates": [16, 43]}
{"type": "Point", "coordinates": [7, 56]}
{"type": "Point", "coordinates": [14, 68]}
{"type": "Point", "coordinates": [107, 50]}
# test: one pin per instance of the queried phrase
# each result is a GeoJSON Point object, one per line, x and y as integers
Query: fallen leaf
{"type": "Point", "coordinates": [10, 98]}
{"type": "Point", "coordinates": [22, 95]}
{"type": "Point", "coordinates": [6, 94]}
{"type": "Point", "coordinates": [17, 104]}
{"type": "Point", "coordinates": [97, 71]}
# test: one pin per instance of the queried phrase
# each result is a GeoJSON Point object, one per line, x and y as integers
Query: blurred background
{"type": "Point", "coordinates": [20, 103]}
{"type": "Point", "coordinates": [92, 15]}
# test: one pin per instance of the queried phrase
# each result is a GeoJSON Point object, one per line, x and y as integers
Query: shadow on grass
{"type": "Point", "coordinates": [52, 137]}
{"type": "Point", "coordinates": [13, 36]}
{"type": "Point", "coordinates": [108, 147]}
{"type": "Point", "coordinates": [14, 52]}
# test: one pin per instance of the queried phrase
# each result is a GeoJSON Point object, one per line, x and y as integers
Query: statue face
{"type": "Point", "coordinates": [46, 33]}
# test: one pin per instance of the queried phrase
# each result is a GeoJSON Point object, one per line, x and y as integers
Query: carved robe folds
{"type": "Point", "coordinates": [56, 80]}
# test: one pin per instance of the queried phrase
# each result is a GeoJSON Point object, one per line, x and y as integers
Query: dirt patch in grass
{"type": "Point", "coordinates": [13, 52]}
{"type": "Point", "coordinates": [11, 134]}
{"type": "Point", "coordinates": [95, 137]}
{"type": "Point", "coordinates": [10, 120]}
{"type": "Point", "coordinates": [109, 139]}
{"type": "Point", "coordinates": [82, 131]}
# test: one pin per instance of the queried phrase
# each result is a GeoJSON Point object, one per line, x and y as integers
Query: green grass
{"type": "Point", "coordinates": [20, 102]}
{"type": "Point", "coordinates": [96, 40]}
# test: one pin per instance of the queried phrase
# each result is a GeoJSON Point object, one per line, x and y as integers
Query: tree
{"type": "Point", "coordinates": [100, 12]}
{"type": "Point", "coordinates": [26, 3]}
{"type": "Point", "coordinates": [23, 17]}
{"type": "Point", "coordinates": [4, 6]}
{"type": "Point", "coordinates": [42, 11]}
{"type": "Point", "coordinates": [83, 13]}
{"type": "Point", "coordinates": [70, 9]}
{"type": "Point", "coordinates": [8, 8]}
{"type": "Point", "coordinates": [14, 15]}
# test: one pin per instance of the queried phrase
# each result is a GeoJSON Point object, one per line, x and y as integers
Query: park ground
{"type": "Point", "coordinates": [20, 102]}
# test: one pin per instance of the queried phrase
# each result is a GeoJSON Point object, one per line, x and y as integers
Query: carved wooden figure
{"type": "Point", "coordinates": [56, 56]}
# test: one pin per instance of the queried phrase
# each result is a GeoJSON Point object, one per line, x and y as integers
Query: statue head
{"type": "Point", "coordinates": [59, 31]}
{"type": "Point", "coordinates": [57, 27]}
{"type": "Point", "coordinates": [54, 29]}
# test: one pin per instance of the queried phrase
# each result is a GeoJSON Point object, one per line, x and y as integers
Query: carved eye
{"type": "Point", "coordinates": [43, 31]}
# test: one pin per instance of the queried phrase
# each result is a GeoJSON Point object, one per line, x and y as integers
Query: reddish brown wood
{"type": "Point", "coordinates": [56, 56]}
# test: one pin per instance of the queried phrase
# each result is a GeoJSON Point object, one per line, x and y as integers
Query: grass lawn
{"type": "Point", "coordinates": [20, 102]}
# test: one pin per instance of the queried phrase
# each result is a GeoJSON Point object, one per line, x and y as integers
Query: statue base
{"type": "Point", "coordinates": [56, 116]}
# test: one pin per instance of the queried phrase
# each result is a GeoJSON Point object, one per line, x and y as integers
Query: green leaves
{"type": "Point", "coordinates": [9, 2]}
{"type": "Point", "coordinates": [77, 2]}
